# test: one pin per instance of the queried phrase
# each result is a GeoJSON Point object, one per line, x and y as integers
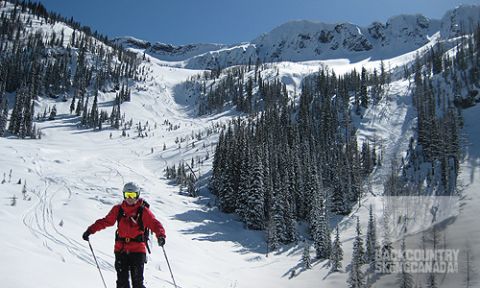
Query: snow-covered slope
{"type": "Point", "coordinates": [307, 40]}
{"type": "Point", "coordinates": [73, 176]}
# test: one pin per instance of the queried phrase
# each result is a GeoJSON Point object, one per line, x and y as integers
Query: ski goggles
{"type": "Point", "coordinates": [130, 195]}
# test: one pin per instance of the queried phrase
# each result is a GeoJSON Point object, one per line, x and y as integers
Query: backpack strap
{"type": "Point", "coordinates": [146, 231]}
{"type": "Point", "coordinates": [120, 214]}
{"type": "Point", "coordinates": [140, 215]}
{"type": "Point", "coordinates": [139, 219]}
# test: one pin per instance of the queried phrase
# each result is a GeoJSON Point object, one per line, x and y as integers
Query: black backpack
{"type": "Point", "coordinates": [146, 232]}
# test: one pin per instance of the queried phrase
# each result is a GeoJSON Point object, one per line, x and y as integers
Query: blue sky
{"type": "Point", "coordinates": [230, 21]}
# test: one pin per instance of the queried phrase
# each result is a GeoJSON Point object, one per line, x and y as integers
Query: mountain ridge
{"type": "Point", "coordinates": [305, 40]}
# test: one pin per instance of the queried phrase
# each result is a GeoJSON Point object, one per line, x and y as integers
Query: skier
{"type": "Point", "coordinates": [133, 217]}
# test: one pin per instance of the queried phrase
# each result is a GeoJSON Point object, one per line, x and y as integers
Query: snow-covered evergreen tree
{"type": "Point", "coordinates": [318, 218]}
{"type": "Point", "coordinates": [364, 99]}
{"type": "Point", "coordinates": [366, 158]}
{"type": "Point", "coordinates": [94, 114]}
{"type": "Point", "coordinates": [307, 261]}
{"type": "Point", "coordinates": [336, 255]}
{"type": "Point", "coordinates": [244, 174]}
{"type": "Point", "coordinates": [371, 243]}
{"type": "Point", "coordinates": [272, 238]}
{"type": "Point", "coordinates": [359, 239]}
{"type": "Point", "coordinates": [277, 212]}
{"type": "Point", "coordinates": [255, 217]}
{"type": "Point", "coordinates": [356, 278]}
{"type": "Point", "coordinates": [3, 115]}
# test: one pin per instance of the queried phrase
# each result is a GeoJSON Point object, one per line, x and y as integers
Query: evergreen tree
{"type": "Point", "coordinates": [356, 278]}
{"type": "Point", "coordinates": [371, 243]}
{"type": "Point", "coordinates": [364, 101]}
{"type": "Point", "coordinates": [16, 118]}
{"type": "Point", "coordinates": [3, 115]}
{"type": "Point", "coordinates": [404, 278]}
{"type": "Point", "coordinates": [366, 159]}
{"type": "Point", "coordinates": [78, 109]}
{"type": "Point", "coordinates": [277, 211]}
{"type": "Point", "coordinates": [53, 113]}
{"type": "Point", "coordinates": [289, 218]}
{"type": "Point", "coordinates": [318, 218]}
{"type": "Point", "coordinates": [94, 115]}
{"type": "Point", "coordinates": [272, 237]}
{"type": "Point", "coordinates": [29, 118]}
{"type": "Point", "coordinates": [306, 256]}
{"type": "Point", "coordinates": [384, 77]}
{"type": "Point", "coordinates": [338, 199]}
{"type": "Point", "coordinates": [118, 115]}
{"type": "Point", "coordinates": [72, 105]}
{"type": "Point", "coordinates": [244, 174]}
{"type": "Point", "coordinates": [85, 113]}
{"type": "Point", "coordinates": [255, 218]}
{"type": "Point", "coordinates": [336, 256]}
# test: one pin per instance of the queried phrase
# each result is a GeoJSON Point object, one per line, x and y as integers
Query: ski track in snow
{"type": "Point", "coordinates": [41, 222]}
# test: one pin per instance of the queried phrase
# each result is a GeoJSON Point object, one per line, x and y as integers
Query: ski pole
{"type": "Point", "coordinates": [101, 275]}
{"type": "Point", "coordinates": [169, 268]}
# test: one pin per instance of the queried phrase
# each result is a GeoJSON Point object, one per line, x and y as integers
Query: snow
{"type": "Point", "coordinates": [74, 176]}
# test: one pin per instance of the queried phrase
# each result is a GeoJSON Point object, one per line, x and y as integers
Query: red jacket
{"type": "Point", "coordinates": [127, 226]}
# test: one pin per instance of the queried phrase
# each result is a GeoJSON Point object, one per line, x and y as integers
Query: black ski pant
{"type": "Point", "coordinates": [129, 264]}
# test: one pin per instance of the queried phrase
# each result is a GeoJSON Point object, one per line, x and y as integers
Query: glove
{"type": "Point", "coordinates": [161, 241]}
{"type": "Point", "coordinates": [85, 235]}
